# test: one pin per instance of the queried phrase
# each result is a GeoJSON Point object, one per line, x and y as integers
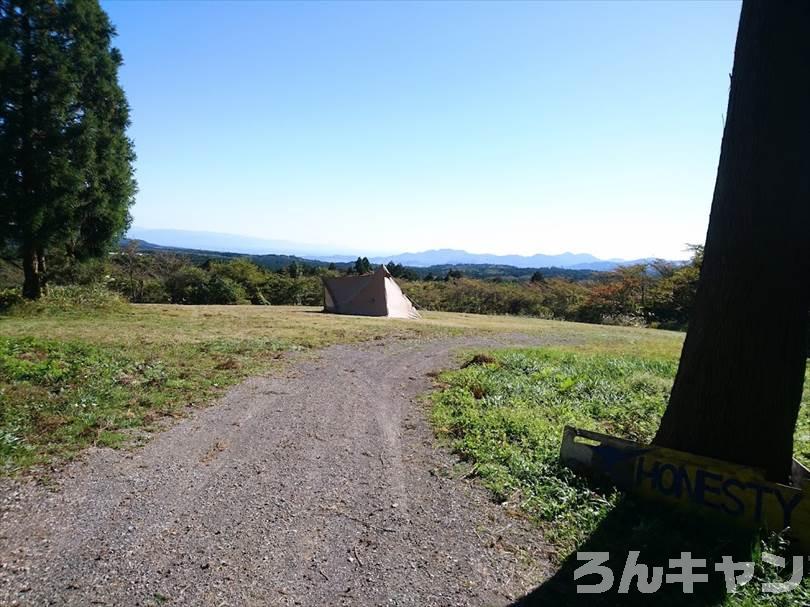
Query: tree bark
{"type": "Point", "coordinates": [42, 271]}
{"type": "Point", "coordinates": [32, 285]}
{"type": "Point", "coordinates": [738, 389]}
{"type": "Point", "coordinates": [32, 288]}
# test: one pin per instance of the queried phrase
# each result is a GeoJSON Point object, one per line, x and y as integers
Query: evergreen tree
{"type": "Point", "coordinates": [362, 265]}
{"type": "Point", "coordinates": [66, 178]}
{"type": "Point", "coordinates": [294, 269]}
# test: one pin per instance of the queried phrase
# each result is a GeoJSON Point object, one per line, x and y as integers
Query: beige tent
{"type": "Point", "coordinates": [368, 295]}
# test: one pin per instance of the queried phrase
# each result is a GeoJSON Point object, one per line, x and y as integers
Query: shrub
{"type": "Point", "coordinates": [72, 297]}
{"type": "Point", "coordinates": [154, 291]}
{"type": "Point", "coordinates": [10, 297]}
{"type": "Point", "coordinates": [188, 285]}
{"type": "Point", "coordinates": [222, 290]}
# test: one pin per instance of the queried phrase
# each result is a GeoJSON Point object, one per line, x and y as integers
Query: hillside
{"type": "Point", "coordinates": [199, 256]}
{"type": "Point", "coordinates": [276, 262]}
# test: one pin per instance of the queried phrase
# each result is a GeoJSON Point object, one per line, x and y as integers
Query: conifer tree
{"type": "Point", "coordinates": [66, 176]}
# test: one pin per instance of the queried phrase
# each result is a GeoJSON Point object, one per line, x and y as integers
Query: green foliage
{"type": "Point", "coordinates": [670, 298]}
{"type": "Point", "coordinates": [153, 290]}
{"type": "Point", "coordinates": [76, 299]}
{"type": "Point", "coordinates": [660, 294]}
{"type": "Point", "coordinates": [223, 290]}
{"type": "Point", "coordinates": [150, 278]}
{"type": "Point", "coordinates": [506, 419]}
{"type": "Point", "coordinates": [478, 297]}
{"type": "Point", "coordinates": [250, 277]}
{"type": "Point", "coordinates": [362, 266]}
{"type": "Point", "coordinates": [188, 285]}
{"type": "Point", "coordinates": [397, 270]}
{"type": "Point", "coordinates": [10, 297]}
{"type": "Point", "coordinates": [294, 270]}
{"type": "Point", "coordinates": [193, 285]}
{"type": "Point", "coordinates": [486, 271]}
{"type": "Point", "coordinates": [66, 178]}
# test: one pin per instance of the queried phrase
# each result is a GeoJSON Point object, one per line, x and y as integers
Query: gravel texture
{"type": "Point", "coordinates": [321, 484]}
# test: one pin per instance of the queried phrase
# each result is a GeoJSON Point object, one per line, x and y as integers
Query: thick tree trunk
{"type": "Point", "coordinates": [738, 389]}
{"type": "Point", "coordinates": [32, 285]}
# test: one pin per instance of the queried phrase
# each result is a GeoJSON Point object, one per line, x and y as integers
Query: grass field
{"type": "Point", "coordinates": [506, 418]}
{"type": "Point", "coordinates": [78, 375]}
{"type": "Point", "coordinates": [74, 378]}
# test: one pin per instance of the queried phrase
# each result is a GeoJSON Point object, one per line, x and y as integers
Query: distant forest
{"type": "Point", "coordinates": [278, 262]}
{"type": "Point", "coordinates": [654, 294]}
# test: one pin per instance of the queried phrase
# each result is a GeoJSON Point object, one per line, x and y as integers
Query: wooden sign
{"type": "Point", "coordinates": [708, 486]}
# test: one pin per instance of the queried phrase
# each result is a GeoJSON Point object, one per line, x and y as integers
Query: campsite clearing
{"type": "Point", "coordinates": [77, 378]}
{"type": "Point", "coordinates": [318, 478]}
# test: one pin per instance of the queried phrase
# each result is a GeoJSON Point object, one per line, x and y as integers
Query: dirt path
{"type": "Point", "coordinates": [322, 485]}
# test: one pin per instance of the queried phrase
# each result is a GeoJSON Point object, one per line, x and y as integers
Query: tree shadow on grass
{"type": "Point", "coordinates": [659, 536]}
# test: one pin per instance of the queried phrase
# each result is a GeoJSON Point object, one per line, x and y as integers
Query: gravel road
{"type": "Point", "coordinates": [321, 484]}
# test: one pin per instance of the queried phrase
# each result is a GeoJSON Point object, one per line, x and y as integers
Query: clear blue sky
{"type": "Point", "coordinates": [492, 127]}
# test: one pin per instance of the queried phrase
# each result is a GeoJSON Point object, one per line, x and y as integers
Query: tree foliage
{"type": "Point", "coordinates": [66, 178]}
{"type": "Point", "coordinates": [659, 294]}
{"type": "Point", "coordinates": [362, 265]}
{"type": "Point", "coordinates": [397, 270]}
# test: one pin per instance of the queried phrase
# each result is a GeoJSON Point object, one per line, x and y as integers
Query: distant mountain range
{"type": "Point", "coordinates": [214, 241]}
{"type": "Point", "coordinates": [573, 261]}
{"type": "Point", "coordinates": [217, 241]}
{"type": "Point", "coordinates": [278, 262]}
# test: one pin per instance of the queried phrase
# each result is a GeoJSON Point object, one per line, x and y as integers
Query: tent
{"type": "Point", "coordinates": [373, 294]}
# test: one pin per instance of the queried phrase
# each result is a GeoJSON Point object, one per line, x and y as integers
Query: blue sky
{"type": "Point", "coordinates": [388, 127]}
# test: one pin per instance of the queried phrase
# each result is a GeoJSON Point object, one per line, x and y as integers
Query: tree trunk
{"type": "Point", "coordinates": [738, 389]}
{"type": "Point", "coordinates": [42, 270]}
{"type": "Point", "coordinates": [32, 285]}
{"type": "Point", "coordinates": [32, 289]}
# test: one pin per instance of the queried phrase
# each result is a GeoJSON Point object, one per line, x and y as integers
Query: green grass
{"type": "Point", "coordinates": [83, 368]}
{"type": "Point", "coordinates": [57, 397]}
{"type": "Point", "coordinates": [506, 419]}
{"type": "Point", "coordinates": [84, 374]}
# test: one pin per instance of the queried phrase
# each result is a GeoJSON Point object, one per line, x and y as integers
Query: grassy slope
{"type": "Point", "coordinates": [506, 418]}
{"type": "Point", "coordinates": [75, 377]}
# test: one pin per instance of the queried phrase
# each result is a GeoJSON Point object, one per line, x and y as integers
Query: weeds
{"type": "Point", "coordinates": [80, 368]}
{"type": "Point", "coordinates": [77, 299]}
{"type": "Point", "coordinates": [506, 417]}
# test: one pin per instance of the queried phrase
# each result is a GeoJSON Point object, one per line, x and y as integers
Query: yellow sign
{"type": "Point", "coordinates": [709, 486]}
